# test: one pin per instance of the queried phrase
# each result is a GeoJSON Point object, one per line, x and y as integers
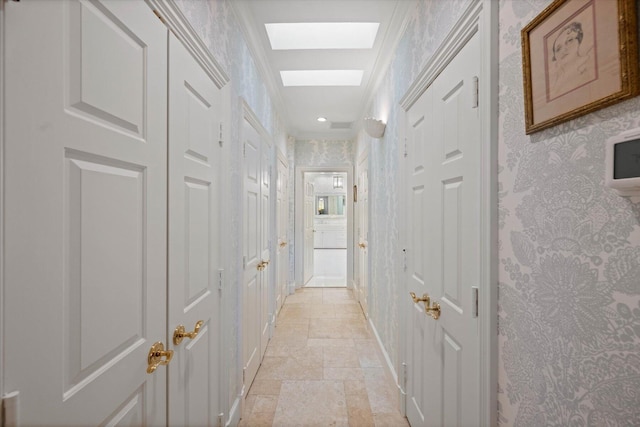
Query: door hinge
{"type": "Point", "coordinates": [403, 390]}
{"type": "Point", "coordinates": [11, 409]}
{"type": "Point", "coordinates": [220, 141]}
{"type": "Point", "coordinates": [220, 419]}
{"type": "Point", "coordinates": [476, 92]}
{"type": "Point", "coordinates": [244, 150]}
{"type": "Point", "coordinates": [406, 153]}
{"type": "Point", "coordinates": [404, 260]}
{"type": "Point", "coordinates": [220, 278]}
{"type": "Point", "coordinates": [244, 262]}
{"type": "Point", "coordinates": [474, 301]}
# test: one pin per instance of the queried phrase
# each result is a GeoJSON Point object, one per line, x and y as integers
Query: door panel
{"type": "Point", "coordinates": [194, 253]}
{"type": "Point", "coordinates": [309, 231]}
{"type": "Point", "coordinates": [443, 258]}
{"type": "Point", "coordinates": [363, 232]}
{"type": "Point", "coordinates": [252, 291]}
{"type": "Point", "coordinates": [282, 216]}
{"type": "Point", "coordinates": [85, 212]}
{"type": "Point", "coordinates": [266, 287]}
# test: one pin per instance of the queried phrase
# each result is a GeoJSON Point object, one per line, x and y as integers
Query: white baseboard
{"type": "Point", "coordinates": [234, 414]}
{"type": "Point", "coordinates": [388, 364]}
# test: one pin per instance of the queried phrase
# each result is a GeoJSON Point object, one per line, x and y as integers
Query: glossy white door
{"type": "Point", "coordinates": [194, 252]}
{"type": "Point", "coordinates": [85, 211]}
{"type": "Point", "coordinates": [252, 253]}
{"type": "Point", "coordinates": [363, 231]}
{"type": "Point", "coordinates": [444, 254]}
{"type": "Point", "coordinates": [309, 231]}
{"type": "Point", "coordinates": [282, 225]}
{"type": "Point", "coordinates": [266, 286]}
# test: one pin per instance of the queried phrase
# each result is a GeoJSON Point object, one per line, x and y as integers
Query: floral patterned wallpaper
{"type": "Point", "coordinates": [569, 291]}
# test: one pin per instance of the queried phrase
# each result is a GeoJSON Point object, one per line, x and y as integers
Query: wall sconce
{"type": "Point", "coordinates": [374, 128]}
{"type": "Point", "coordinates": [338, 182]}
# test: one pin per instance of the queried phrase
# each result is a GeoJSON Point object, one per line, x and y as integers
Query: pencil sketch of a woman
{"type": "Point", "coordinates": [572, 62]}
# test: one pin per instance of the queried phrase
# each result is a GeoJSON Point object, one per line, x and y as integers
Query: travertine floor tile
{"type": "Point", "coordinates": [311, 403]}
{"type": "Point", "coordinates": [323, 367]}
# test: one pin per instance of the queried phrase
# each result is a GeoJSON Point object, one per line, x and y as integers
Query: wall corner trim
{"type": "Point", "coordinates": [178, 24]}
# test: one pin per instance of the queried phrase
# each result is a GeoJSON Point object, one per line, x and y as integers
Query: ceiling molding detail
{"type": "Point", "coordinates": [249, 30]}
{"type": "Point", "coordinates": [171, 15]}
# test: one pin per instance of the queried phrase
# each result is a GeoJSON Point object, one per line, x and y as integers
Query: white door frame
{"type": "Point", "coordinates": [480, 16]}
{"type": "Point", "coordinates": [2, 390]}
{"type": "Point", "coordinates": [299, 218]}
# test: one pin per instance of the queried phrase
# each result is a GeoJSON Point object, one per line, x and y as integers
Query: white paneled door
{"type": "Point", "coordinates": [256, 248]}
{"type": "Point", "coordinates": [85, 211]}
{"type": "Point", "coordinates": [309, 230]}
{"type": "Point", "coordinates": [443, 252]}
{"type": "Point", "coordinates": [282, 227]}
{"type": "Point", "coordinates": [194, 254]}
{"type": "Point", "coordinates": [363, 231]}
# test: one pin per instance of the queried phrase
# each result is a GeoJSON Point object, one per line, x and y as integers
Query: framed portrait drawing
{"type": "Point", "coordinates": [578, 56]}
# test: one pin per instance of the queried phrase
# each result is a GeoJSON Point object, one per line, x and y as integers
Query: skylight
{"type": "Point", "coordinates": [322, 35]}
{"type": "Point", "coordinates": [321, 77]}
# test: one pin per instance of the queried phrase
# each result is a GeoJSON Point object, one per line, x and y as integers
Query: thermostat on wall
{"type": "Point", "coordinates": [623, 163]}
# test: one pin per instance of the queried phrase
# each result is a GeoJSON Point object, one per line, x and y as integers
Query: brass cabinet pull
{"type": "Point", "coordinates": [180, 332]}
{"type": "Point", "coordinates": [158, 356]}
{"type": "Point", "coordinates": [429, 309]}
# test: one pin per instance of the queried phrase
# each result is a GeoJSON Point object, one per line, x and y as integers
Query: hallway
{"type": "Point", "coordinates": [323, 367]}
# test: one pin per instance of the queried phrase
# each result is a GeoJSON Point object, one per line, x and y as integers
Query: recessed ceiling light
{"type": "Point", "coordinates": [321, 77]}
{"type": "Point", "coordinates": [322, 119]}
{"type": "Point", "coordinates": [322, 35]}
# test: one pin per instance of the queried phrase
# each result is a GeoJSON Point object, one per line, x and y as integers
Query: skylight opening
{"type": "Point", "coordinates": [322, 35]}
{"type": "Point", "coordinates": [321, 77]}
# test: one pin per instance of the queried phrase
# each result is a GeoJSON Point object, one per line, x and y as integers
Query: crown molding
{"type": "Point", "coordinates": [250, 31]}
{"type": "Point", "coordinates": [171, 15]}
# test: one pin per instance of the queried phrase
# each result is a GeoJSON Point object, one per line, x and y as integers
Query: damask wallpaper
{"type": "Point", "coordinates": [569, 292]}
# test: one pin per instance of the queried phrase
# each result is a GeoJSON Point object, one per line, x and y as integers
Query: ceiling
{"type": "Point", "coordinates": [343, 106]}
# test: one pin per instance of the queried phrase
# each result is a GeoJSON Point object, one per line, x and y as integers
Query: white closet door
{"type": "Point", "coordinates": [309, 231]}
{"type": "Point", "coordinates": [444, 250]}
{"type": "Point", "coordinates": [252, 250]}
{"type": "Point", "coordinates": [85, 211]}
{"type": "Point", "coordinates": [194, 236]}
{"type": "Point", "coordinates": [363, 232]}
{"type": "Point", "coordinates": [282, 227]}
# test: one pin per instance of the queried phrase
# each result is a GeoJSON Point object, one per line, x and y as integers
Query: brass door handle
{"type": "Point", "coordinates": [180, 332]}
{"type": "Point", "coordinates": [425, 298]}
{"type": "Point", "coordinates": [429, 309]}
{"type": "Point", "coordinates": [158, 356]}
{"type": "Point", "coordinates": [433, 311]}
{"type": "Point", "coordinates": [260, 266]}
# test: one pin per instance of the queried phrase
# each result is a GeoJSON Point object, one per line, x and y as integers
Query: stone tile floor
{"type": "Point", "coordinates": [323, 368]}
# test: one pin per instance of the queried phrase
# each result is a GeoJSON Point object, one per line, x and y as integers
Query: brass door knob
{"type": "Point", "coordinates": [260, 266]}
{"type": "Point", "coordinates": [362, 245]}
{"type": "Point", "coordinates": [283, 244]}
{"type": "Point", "coordinates": [180, 332]}
{"type": "Point", "coordinates": [158, 356]}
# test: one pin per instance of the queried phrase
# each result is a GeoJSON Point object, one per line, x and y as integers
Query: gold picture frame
{"type": "Point", "coordinates": [578, 56]}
